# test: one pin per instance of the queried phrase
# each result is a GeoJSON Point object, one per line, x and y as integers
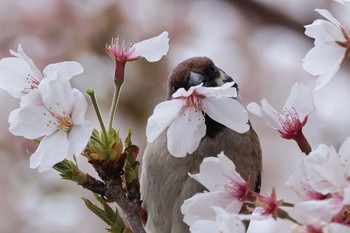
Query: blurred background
{"type": "Point", "coordinates": [259, 43]}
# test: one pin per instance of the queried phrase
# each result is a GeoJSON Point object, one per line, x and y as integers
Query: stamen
{"type": "Point", "coordinates": [61, 121]}
{"type": "Point", "coordinates": [33, 83]}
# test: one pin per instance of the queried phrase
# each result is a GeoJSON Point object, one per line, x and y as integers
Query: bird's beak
{"type": "Point", "coordinates": [196, 79]}
{"type": "Point", "coordinates": [223, 78]}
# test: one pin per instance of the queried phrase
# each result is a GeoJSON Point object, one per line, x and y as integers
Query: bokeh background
{"type": "Point", "coordinates": [259, 43]}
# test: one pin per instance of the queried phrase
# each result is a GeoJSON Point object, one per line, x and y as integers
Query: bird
{"type": "Point", "coordinates": [164, 182]}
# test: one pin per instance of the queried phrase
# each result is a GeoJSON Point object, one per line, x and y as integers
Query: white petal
{"type": "Point", "coordinates": [255, 109]}
{"type": "Point", "coordinates": [346, 199]}
{"type": "Point", "coordinates": [163, 114]}
{"type": "Point", "coordinates": [33, 98]}
{"type": "Point", "coordinates": [30, 122]}
{"type": "Point", "coordinates": [23, 56]}
{"type": "Point", "coordinates": [324, 32]}
{"type": "Point", "coordinates": [323, 79]}
{"type": "Point", "coordinates": [325, 13]}
{"type": "Point", "coordinates": [57, 95]}
{"type": "Point", "coordinates": [224, 222]}
{"type": "Point", "coordinates": [181, 92]}
{"type": "Point", "coordinates": [63, 70]}
{"type": "Point", "coordinates": [152, 49]}
{"type": "Point", "coordinates": [226, 90]}
{"type": "Point", "coordinates": [323, 59]}
{"type": "Point", "coordinates": [324, 210]}
{"type": "Point", "coordinates": [52, 149]}
{"type": "Point", "coordinates": [271, 116]}
{"type": "Point", "coordinates": [186, 132]}
{"type": "Point", "coordinates": [344, 155]}
{"type": "Point", "coordinates": [13, 76]}
{"type": "Point", "coordinates": [199, 206]}
{"type": "Point", "coordinates": [337, 228]}
{"type": "Point", "coordinates": [301, 99]}
{"type": "Point", "coordinates": [325, 172]}
{"type": "Point", "coordinates": [228, 112]}
{"type": "Point", "coordinates": [215, 173]}
{"type": "Point", "coordinates": [78, 138]}
{"type": "Point", "coordinates": [79, 108]}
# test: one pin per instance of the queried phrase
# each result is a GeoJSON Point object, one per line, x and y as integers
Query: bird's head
{"type": "Point", "coordinates": [194, 71]}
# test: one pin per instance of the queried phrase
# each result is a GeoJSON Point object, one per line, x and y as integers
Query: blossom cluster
{"type": "Point", "coordinates": [52, 113]}
{"type": "Point", "coordinates": [50, 109]}
{"type": "Point", "coordinates": [322, 177]}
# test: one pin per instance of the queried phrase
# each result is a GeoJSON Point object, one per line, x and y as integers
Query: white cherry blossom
{"type": "Point", "coordinates": [184, 116]}
{"type": "Point", "coordinates": [151, 49]}
{"type": "Point", "coordinates": [225, 189]}
{"type": "Point", "coordinates": [296, 111]}
{"type": "Point", "coordinates": [322, 181]}
{"type": "Point", "coordinates": [331, 50]}
{"type": "Point", "coordinates": [59, 123]}
{"type": "Point", "coordinates": [20, 77]}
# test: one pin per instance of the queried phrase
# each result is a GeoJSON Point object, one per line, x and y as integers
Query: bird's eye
{"type": "Point", "coordinates": [212, 70]}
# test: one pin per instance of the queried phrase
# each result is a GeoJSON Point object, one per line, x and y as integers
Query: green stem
{"type": "Point", "coordinates": [116, 94]}
{"type": "Point", "coordinates": [91, 93]}
{"type": "Point", "coordinates": [287, 204]}
{"type": "Point", "coordinates": [284, 215]}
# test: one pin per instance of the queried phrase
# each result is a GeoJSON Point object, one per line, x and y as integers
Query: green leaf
{"type": "Point", "coordinates": [128, 139]}
{"type": "Point", "coordinates": [98, 211]}
{"type": "Point", "coordinates": [107, 214]}
{"type": "Point", "coordinates": [109, 211]}
{"type": "Point", "coordinates": [66, 169]}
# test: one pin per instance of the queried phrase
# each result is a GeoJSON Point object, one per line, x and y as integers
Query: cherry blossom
{"type": "Point", "coordinates": [267, 205]}
{"type": "Point", "coordinates": [151, 49]}
{"type": "Point", "coordinates": [20, 77]}
{"type": "Point", "coordinates": [296, 111]}
{"type": "Point", "coordinates": [332, 48]}
{"type": "Point", "coordinates": [184, 115]}
{"type": "Point", "coordinates": [315, 217]}
{"type": "Point", "coordinates": [225, 185]}
{"type": "Point", "coordinates": [322, 181]}
{"type": "Point", "coordinates": [59, 122]}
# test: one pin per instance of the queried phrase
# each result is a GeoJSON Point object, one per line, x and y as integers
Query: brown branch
{"type": "Point", "coordinates": [255, 9]}
{"type": "Point", "coordinates": [116, 194]}
{"type": "Point", "coordinates": [94, 185]}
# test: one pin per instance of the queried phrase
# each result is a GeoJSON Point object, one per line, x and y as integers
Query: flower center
{"type": "Point", "coordinates": [194, 101]}
{"type": "Point", "coordinates": [236, 190]}
{"type": "Point", "coordinates": [290, 123]}
{"type": "Point", "coordinates": [120, 53]}
{"type": "Point", "coordinates": [59, 121]}
{"type": "Point", "coordinates": [33, 83]}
